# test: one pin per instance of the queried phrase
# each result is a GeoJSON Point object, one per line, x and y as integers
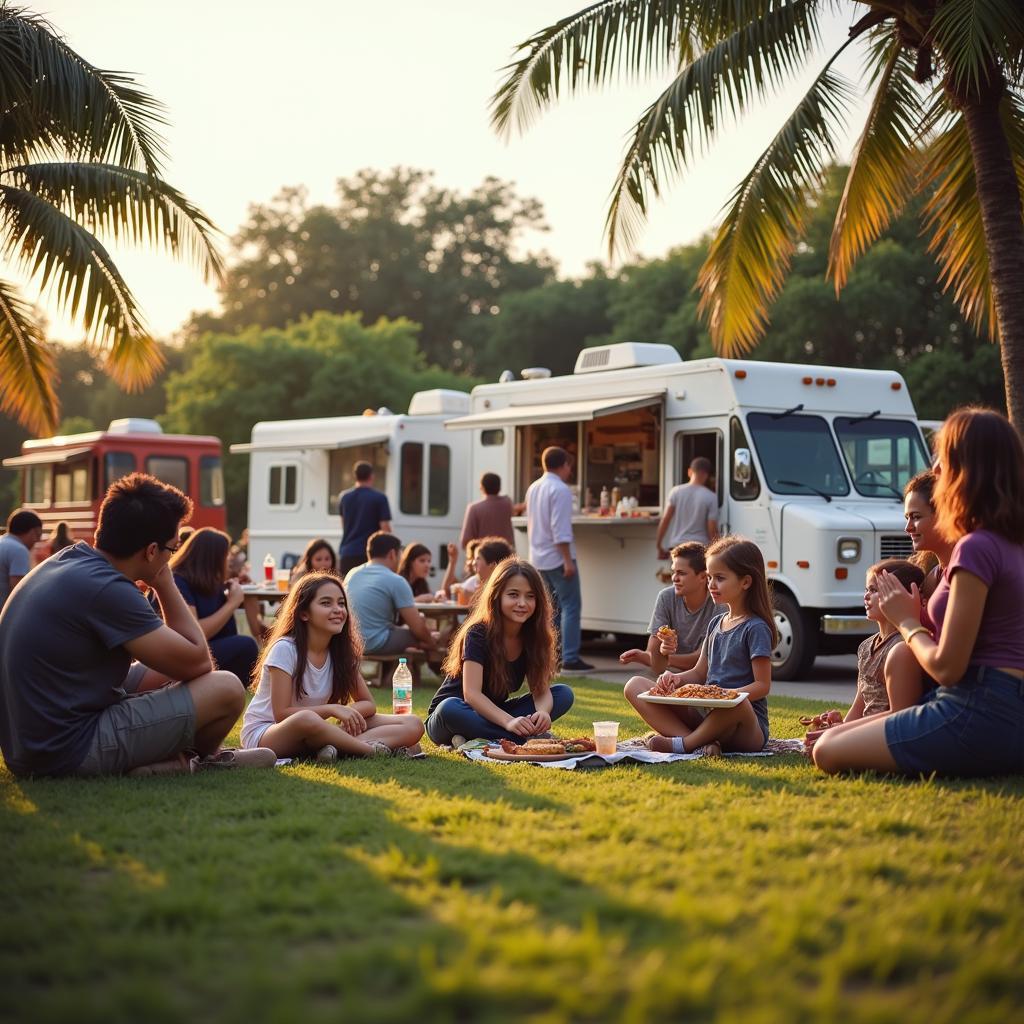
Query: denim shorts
{"type": "Point", "coordinates": [973, 728]}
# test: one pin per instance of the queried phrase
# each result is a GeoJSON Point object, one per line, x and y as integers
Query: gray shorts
{"type": "Point", "coordinates": [399, 638]}
{"type": "Point", "coordinates": [141, 730]}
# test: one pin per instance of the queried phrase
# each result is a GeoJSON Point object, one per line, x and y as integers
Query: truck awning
{"type": "Point", "coordinates": [553, 412]}
{"type": "Point", "coordinates": [313, 446]}
{"type": "Point", "coordinates": [44, 458]}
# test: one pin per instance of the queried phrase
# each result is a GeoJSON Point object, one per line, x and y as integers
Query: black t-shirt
{"type": "Point", "coordinates": [62, 659]}
{"type": "Point", "coordinates": [362, 510]}
{"type": "Point", "coordinates": [475, 649]}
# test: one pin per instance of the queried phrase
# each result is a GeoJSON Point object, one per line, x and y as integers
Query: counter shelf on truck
{"type": "Point", "coordinates": [298, 470]}
{"type": "Point", "coordinates": [64, 478]}
{"type": "Point", "coordinates": [808, 461]}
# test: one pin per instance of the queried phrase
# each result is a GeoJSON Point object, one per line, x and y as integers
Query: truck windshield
{"type": "Point", "coordinates": [797, 454]}
{"type": "Point", "coordinates": [882, 454]}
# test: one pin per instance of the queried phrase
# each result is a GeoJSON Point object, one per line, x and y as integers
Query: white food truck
{"type": "Point", "coordinates": [808, 461]}
{"type": "Point", "coordinates": [298, 470]}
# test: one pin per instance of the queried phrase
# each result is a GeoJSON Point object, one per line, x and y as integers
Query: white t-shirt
{"type": "Point", "coordinates": [317, 682]}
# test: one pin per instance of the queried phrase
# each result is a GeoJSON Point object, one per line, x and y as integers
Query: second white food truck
{"type": "Point", "coordinates": [808, 461]}
{"type": "Point", "coordinates": [298, 470]}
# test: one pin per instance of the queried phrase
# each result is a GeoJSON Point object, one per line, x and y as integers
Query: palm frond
{"type": "Point", "coordinates": [882, 172]}
{"type": "Point", "coordinates": [27, 366]}
{"type": "Point", "coordinates": [53, 101]}
{"type": "Point", "coordinates": [952, 214]}
{"type": "Point", "coordinates": [727, 77]}
{"type": "Point", "coordinates": [122, 203]}
{"type": "Point", "coordinates": [971, 35]}
{"type": "Point", "coordinates": [603, 39]}
{"type": "Point", "coordinates": [71, 262]}
{"type": "Point", "coordinates": [751, 251]}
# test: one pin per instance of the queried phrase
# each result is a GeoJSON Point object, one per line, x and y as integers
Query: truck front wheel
{"type": "Point", "coordinates": [798, 642]}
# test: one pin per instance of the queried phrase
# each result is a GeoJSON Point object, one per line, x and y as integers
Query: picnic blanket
{"type": "Point", "coordinates": [630, 752]}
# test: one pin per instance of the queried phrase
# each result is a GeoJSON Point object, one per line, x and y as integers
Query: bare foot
{"type": "Point", "coordinates": [180, 764]}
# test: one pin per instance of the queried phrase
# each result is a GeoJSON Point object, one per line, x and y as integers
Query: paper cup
{"type": "Point", "coordinates": [606, 736]}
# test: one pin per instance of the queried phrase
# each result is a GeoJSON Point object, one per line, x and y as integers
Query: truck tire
{"type": "Point", "coordinates": [798, 641]}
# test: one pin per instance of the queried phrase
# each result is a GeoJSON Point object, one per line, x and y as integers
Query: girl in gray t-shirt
{"type": "Point", "coordinates": [736, 656]}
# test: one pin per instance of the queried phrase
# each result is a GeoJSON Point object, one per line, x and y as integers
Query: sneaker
{"type": "Point", "coordinates": [380, 749]}
{"type": "Point", "coordinates": [232, 757]}
{"type": "Point", "coordinates": [409, 752]}
{"type": "Point", "coordinates": [458, 741]}
{"type": "Point", "coordinates": [577, 667]}
{"type": "Point", "coordinates": [327, 754]}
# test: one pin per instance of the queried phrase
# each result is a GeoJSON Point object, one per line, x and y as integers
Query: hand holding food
{"type": "Point", "coordinates": [669, 640]}
{"type": "Point", "coordinates": [521, 726]}
{"type": "Point", "coordinates": [667, 682]}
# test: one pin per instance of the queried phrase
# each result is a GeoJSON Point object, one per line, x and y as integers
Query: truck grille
{"type": "Point", "coordinates": [895, 545]}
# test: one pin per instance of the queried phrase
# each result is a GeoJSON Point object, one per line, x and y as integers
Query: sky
{"type": "Point", "coordinates": [261, 95]}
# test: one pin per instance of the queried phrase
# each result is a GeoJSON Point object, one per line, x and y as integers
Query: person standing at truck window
{"type": "Point", "coordinates": [491, 516]}
{"type": "Point", "coordinates": [553, 550]}
{"type": "Point", "coordinates": [24, 528]}
{"type": "Point", "coordinates": [691, 512]}
{"type": "Point", "coordinates": [364, 512]}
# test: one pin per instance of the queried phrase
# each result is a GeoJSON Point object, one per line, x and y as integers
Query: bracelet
{"type": "Point", "coordinates": [911, 633]}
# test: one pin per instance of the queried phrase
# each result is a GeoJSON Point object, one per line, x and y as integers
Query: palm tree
{"type": "Point", "coordinates": [946, 120]}
{"type": "Point", "coordinates": [80, 155]}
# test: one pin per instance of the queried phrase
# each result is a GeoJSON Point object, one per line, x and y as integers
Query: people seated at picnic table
{"type": "Point", "coordinates": [379, 597]}
{"type": "Point", "coordinates": [24, 528]}
{"type": "Point", "coordinates": [682, 613]}
{"type": "Point", "coordinates": [319, 556]}
{"type": "Point", "coordinates": [72, 699]}
{"type": "Point", "coordinates": [310, 696]}
{"type": "Point", "coordinates": [973, 721]}
{"type": "Point", "coordinates": [489, 552]}
{"type": "Point", "coordinates": [505, 641]}
{"type": "Point", "coordinates": [736, 655]}
{"type": "Point", "coordinates": [201, 573]}
{"type": "Point", "coordinates": [414, 567]}
{"type": "Point", "coordinates": [491, 516]}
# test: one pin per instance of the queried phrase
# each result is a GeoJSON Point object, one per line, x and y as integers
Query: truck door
{"type": "Point", "coordinates": [689, 443]}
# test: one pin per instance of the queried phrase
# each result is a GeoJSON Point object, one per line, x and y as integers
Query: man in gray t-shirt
{"type": "Point", "coordinates": [691, 512]}
{"type": "Point", "coordinates": [685, 608]}
{"type": "Point", "coordinates": [24, 528]}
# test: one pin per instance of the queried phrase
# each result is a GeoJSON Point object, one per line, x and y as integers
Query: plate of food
{"type": "Point", "coordinates": [695, 695]}
{"type": "Point", "coordinates": [541, 750]}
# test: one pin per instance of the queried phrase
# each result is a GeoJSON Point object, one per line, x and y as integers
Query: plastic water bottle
{"type": "Point", "coordinates": [401, 689]}
{"type": "Point", "coordinates": [268, 569]}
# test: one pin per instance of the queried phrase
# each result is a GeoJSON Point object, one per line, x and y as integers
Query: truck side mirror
{"type": "Point", "coordinates": [742, 466]}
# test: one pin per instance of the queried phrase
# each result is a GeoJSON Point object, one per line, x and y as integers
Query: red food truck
{"type": "Point", "coordinates": [64, 478]}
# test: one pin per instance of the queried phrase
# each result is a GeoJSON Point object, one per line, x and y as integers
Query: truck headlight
{"type": "Point", "coordinates": [848, 549]}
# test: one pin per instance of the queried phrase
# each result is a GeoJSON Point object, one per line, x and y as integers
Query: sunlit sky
{"type": "Point", "coordinates": [260, 95]}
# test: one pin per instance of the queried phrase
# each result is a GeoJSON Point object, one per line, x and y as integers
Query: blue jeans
{"type": "Point", "coordinates": [454, 717]}
{"type": "Point", "coordinates": [565, 596]}
{"type": "Point", "coordinates": [973, 728]}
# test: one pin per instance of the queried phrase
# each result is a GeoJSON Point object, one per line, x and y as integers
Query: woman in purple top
{"type": "Point", "coordinates": [973, 723]}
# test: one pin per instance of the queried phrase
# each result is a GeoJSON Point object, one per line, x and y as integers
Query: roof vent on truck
{"type": "Point", "coordinates": [439, 402]}
{"type": "Point", "coordinates": [134, 425]}
{"type": "Point", "coordinates": [623, 356]}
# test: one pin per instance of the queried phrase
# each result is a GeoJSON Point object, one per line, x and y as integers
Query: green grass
{"type": "Point", "coordinates": [440, 890]}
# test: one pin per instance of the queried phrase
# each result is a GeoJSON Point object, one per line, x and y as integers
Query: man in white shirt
{"type": "Point", "coordinates": [24, 528]}
{"type": "Point", "coordinates": [691, 512]}
{"type": "Point", "coordinates": [553, 551]}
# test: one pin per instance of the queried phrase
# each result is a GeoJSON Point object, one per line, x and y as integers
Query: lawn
{"type": "Point", "coordinates": [440, 890]}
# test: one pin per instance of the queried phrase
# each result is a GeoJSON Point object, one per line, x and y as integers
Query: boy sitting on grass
{"type": "Point", "coordinates": [68, 636]}
{"type": "Point", "coordinates": [682, 613]}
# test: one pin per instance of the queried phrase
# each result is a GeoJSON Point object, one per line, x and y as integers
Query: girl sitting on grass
{"type": "Point", "coordinates": [736, 655]}
{"type": "Point", "coordinates": [311, 696]}
{"type": "Point", "coordinates": [507, 639]}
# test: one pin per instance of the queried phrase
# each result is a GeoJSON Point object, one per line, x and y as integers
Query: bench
{"type": "Point", "coordinates": [384, 666]}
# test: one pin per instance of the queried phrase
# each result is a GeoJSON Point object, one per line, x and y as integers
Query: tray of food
{"type": "Point", "coordinates": [696, 695]}
{"type": "Point", "coordinates": [541, 750]}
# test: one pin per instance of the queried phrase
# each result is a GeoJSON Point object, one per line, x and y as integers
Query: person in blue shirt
{"type": "Point", "coordinates": [364, 512]}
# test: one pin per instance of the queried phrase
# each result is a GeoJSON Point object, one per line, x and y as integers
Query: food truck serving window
{"type": "Point", "coordinates": [882, 454]}
{"type": "Point", "coordinates": [622, 449]}
{"type": "Point", "coordinates": [797, 454]}
{"type": "Point", "coordinates": [38, 484]}
{"type": "Point", "coordinates": [71, 483]}
{"type": "Point", "coordinates": [410, 497]}
{"type": "Point", "coordinates": [341, 470]}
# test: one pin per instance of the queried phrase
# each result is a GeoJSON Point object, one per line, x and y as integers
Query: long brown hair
{"type": "Point", "coordinates": [409, 555]}
{"type": "Point", "coordinates": [537, 635]}
{"type": "Point", "coordinates": [743, 557]}
{"type": "Point", "coordinates": [345, 649]}
{"type": "Point", "coordinates": [306, 561]}
{"type": "Point", "coordinates": [980, 476]}
{"type": "Point", "coordinates": [202, 560]}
